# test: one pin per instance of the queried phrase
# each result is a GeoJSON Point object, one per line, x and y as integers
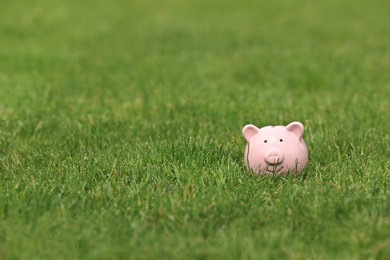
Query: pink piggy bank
{"type": "Point", "coordinates": [275, 149]}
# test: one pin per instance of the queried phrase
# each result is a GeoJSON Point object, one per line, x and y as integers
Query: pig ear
{"type": "Point", "coordinates": [249, 131]}
{"type": "Point", "coordinates": [296, 128]}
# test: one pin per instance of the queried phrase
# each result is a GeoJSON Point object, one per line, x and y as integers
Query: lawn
{"type": "Point", "coordinates": [120, 129]}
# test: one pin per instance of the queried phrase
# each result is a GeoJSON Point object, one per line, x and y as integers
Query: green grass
{"type": "Point", "coordinates": [120, 129]}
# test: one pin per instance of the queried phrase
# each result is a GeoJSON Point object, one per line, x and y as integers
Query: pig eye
{"type": "Point", "coordinates": [265, 141]}
{"type": "Point", "coordinates": [281, 140]}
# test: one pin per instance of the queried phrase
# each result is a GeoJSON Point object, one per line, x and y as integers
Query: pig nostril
{"type": "Point", "coordinates": [273, 157]}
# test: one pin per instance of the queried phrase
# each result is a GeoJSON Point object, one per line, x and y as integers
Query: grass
{"type": "Point", "coordinates": [120, 129]}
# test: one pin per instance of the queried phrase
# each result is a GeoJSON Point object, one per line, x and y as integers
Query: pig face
{"type": "Point", "coordinates": [275, 149]}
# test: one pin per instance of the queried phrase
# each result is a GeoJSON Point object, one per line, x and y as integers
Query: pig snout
{"type": "Point", "coordinates": [274, 156]}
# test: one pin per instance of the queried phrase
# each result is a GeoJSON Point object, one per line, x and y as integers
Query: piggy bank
{"type": "Point", "coordinates": [275, 149]}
